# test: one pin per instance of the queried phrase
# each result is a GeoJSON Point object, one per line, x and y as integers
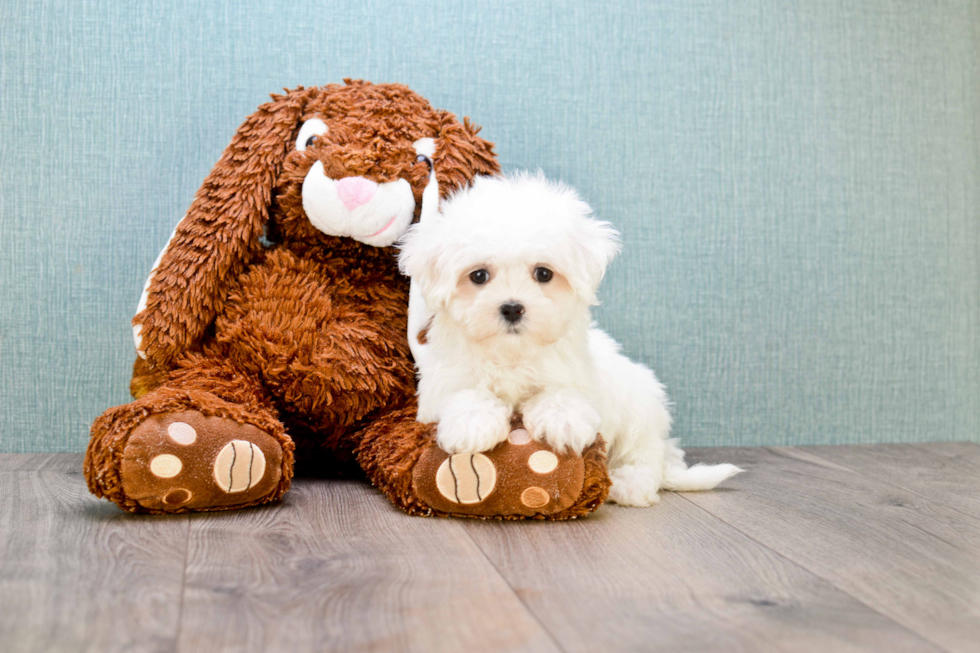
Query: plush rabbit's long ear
{"type": "Point", "coordinates": [217, 237]}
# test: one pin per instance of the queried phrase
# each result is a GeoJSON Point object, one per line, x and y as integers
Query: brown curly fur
{"type": "Point", "coordinates": [309, 335]}
{"type": "Point", "coordinates": [212, 386]}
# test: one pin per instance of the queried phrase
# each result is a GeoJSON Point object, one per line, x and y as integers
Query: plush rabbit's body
{"type": "Point", "coordinates": [274, 322]}
{"type": "Point", "coordinates": [325, 334]}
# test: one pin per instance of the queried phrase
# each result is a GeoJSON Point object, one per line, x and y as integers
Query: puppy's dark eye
{"type": "Point", "coordinates": [311, 140]}
{"type": "Point", "coordinates": [543, 275]}
{"type": "Point", "coordinates": [423, 158]}
{"type": "Point", "coordinates": [479, 277]}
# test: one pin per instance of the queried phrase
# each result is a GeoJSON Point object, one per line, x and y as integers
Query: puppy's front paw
{"type": "Point", "coordinates": [471, 421]}
{"type": "Point", "coordinates": [563, 418]}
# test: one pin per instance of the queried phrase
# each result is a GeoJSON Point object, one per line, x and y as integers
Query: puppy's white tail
{"type": "Point", "coordinates": [681, 478]}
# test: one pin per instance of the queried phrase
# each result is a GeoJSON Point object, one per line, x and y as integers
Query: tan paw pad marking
{"type": "Point", "coordinates": [466, 478]}
{"type": "Point", "coordinates": [166, 465]}
{"type": "Point", "coordinates": [535, 497]}
{"type": "Point", "coordinates": [519, 436]}
{"type": "Point", "coordinates": [182, 433]}
{"type": "Point", "coordinates": [542, 462]}
{"type": "Point", "coordinates": [177, 497]}
{"type": "Point", "coordinates": [240, 466]}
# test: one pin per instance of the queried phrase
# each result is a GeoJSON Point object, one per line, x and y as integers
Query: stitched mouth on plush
{"type": "Point", "coordinates": [372, 213]}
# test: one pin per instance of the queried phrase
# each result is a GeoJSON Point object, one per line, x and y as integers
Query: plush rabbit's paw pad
{"type": "Point", "coordinates": [520, 477]}
{"type": "Point", "coordinates": [181, 461]}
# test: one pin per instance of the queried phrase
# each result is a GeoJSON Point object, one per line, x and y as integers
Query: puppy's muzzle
{"type": "Point", "coordinates": [512, 312]}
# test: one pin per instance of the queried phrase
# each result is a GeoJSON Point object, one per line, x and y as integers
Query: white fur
{"type": "Point", "coordinates": [566, 377]}
{"type": "Point", "coordinates": [564, 417]}
{"type": "Point", "coordinates": [419, 315]}
{"type": "Point", "coordinates": [472, 420]}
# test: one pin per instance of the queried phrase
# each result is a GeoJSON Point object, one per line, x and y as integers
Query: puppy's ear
{"type": "Point", "coordinates": [218, 236]}
{"type": "Point", "coordinates": [597, 244]}
{"type": "Point", "coordinates": [460, 153]}
{"type": "Point", "coordinates": [427, 261]}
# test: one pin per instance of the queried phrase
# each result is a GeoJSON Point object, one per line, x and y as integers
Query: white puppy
{"type": "Point", "coordinates": [507, 272]}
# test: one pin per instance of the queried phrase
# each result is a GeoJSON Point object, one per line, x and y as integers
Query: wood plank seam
{"type": "Point", "coordinates": [820, 576]}
{"type": "Point", "coordinates": [517, 595]}
{"type": "Point", "coordinates": [74, 534]}
{"type": "Point", "coordinates": [183, 585]}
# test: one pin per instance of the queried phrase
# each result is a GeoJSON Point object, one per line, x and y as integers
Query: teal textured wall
{"type": "Point", "coordinates": [798, 184]}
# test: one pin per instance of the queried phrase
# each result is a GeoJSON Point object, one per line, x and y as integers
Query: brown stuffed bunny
{"type": "Point", "coordinates": [277, 307]}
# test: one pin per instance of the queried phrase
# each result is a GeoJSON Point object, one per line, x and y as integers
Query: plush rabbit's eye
{"type": "Point", "coordinates": [542, 275]}
{"type": "Point", "coordinates": [309, 133]}
{"type": "Point", "coordinates": [479, 277]}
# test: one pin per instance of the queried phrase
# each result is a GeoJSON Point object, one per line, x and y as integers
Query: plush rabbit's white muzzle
{"type": "Point", "coordinates": [354, 207]}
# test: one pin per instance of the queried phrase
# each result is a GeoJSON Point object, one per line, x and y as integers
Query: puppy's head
{"type": "Point", "coordinates": [511, 259]}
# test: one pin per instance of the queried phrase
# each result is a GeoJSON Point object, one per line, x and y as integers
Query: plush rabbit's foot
{"type": "Point", "coordinates": [180, 461]}
{"type": "Point", "coordinates": [518, 478]}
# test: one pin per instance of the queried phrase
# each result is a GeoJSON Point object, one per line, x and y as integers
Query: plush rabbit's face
{"type": "Point", "coordinates": [358, 165]}
{"type": "Point", "coordinates": [337, 167]}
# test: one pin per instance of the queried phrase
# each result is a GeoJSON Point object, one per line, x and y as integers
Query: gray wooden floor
{"type": "Point", "coordinates": [815, 548]}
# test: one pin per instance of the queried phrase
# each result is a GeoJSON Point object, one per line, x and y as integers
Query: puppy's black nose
{"type": "Point", "coordinates": [512, 312]}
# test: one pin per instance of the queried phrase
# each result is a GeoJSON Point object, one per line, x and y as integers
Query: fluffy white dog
{"type": "Point", "coordinates": [507, 272]}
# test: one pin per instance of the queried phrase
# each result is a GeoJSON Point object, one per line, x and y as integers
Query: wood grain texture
{"type": "Point", "coordinates": [335, 567]}
{"type": "Point", "coordinates": [945, 472]}
{"type": "Point", "coordinates": [78, 574]}
{"type": "Point", "coordinates": [829, 549]}
{"type": "Point", "coordinates": [674, 578]}
{"type": "Point", "coordinates": [912, 558]}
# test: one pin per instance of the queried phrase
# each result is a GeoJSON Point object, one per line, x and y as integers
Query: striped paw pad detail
{"type": "Point", "coordinates": [519, 477]}
{"type": "Point", "coordinates": [183, 460]}
{"type": "Point", "coordinates": [466, 478]}
{"type": "Point", "coordinates": [240, 465]}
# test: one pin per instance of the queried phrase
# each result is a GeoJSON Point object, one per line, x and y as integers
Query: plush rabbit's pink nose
{"type": "Point", "coordinates": [355, 191]}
